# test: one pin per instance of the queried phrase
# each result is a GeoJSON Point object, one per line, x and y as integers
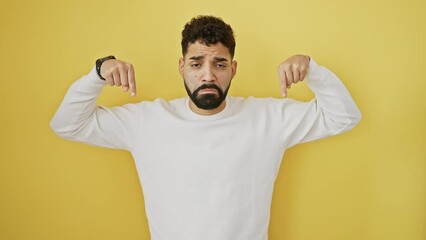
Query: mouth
{"type": "Point", "coordinates": [208, 90]}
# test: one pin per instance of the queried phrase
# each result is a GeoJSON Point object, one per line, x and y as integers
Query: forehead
{"type": "Point", "coordinates": [213, 50]}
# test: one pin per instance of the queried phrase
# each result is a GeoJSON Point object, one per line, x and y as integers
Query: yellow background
{"type": "Point", "coordinates": [369, 183]}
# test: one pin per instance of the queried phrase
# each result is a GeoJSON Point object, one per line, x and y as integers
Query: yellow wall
{"type": "Point", "coordinates": [369, 183]}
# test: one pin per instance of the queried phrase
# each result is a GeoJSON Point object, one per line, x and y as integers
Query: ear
{"type": "Point", "coordinates": [181, 64]}
{"type": "Point", "coordinates": [234, 68]}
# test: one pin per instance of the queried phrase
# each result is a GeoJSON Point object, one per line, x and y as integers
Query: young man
{"type": "Point", "coordinates": [207, 163]}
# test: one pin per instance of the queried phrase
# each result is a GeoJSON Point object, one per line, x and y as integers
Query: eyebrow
{"type": "Point", "coordinates": [217, 59]}
{"type": "Point", "coordinates": [220, 59]}
{"type": "Point", "coordinates": [196, 58]}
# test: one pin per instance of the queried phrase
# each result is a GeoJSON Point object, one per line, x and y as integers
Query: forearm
{"type": "Point", "coordinates": [78, 105]}
{"type": "Point", "coordinates": [332, 99]}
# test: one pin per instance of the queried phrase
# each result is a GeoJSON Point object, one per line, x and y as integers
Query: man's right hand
{"type": "Point", "coordinates": [119, 73]}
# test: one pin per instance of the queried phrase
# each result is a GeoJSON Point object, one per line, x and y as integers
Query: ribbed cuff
{"type": "Point", "coordinates": [93, 76]}
{"type": "Point", "coordinates": [313, 67]}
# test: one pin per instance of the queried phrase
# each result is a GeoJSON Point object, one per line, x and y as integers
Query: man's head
{"type": "Point", "coordinates": [208, 30]}
{"type": "Point", "coordinates": [207, 65]}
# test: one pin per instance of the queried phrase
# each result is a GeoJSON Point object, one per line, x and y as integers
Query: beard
{"type": "Point", "coordinates": [207, 101]}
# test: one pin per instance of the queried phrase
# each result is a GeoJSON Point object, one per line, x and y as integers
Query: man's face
{"type": "Point", "coordinates": [207, 72]}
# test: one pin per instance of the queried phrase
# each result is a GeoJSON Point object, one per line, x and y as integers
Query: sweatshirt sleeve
{"type": "Point", "coordinates": [331, 112]}
{"type": "Point", "coordinates": [79, 119]}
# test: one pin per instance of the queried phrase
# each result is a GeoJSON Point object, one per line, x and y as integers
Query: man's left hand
{"type": "Point", "coordinates": [293, 70]}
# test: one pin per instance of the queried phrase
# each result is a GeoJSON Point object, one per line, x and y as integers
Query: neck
{"type": "Point", "coordinates": [205, 112]}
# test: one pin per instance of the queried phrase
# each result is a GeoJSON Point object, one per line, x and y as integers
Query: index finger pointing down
{"type": "Point", "coordinates": [132, 82]}
{"type": "Point", "coordinates": [283, 82]}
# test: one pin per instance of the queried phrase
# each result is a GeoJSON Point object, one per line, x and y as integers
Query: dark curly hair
{"type": "Point", "coordinates": [208, 30]}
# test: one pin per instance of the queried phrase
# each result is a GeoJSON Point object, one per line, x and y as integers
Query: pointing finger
{"type": "Point", "coordinates": [283, 82]}
{"type": "Point", "coordinates": [131, 79]}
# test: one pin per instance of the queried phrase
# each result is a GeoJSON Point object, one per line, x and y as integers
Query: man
{"type": "Point", "coordinates": [207, 163]}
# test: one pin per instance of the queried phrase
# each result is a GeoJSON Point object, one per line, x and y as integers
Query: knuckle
{"type": "Point", "coordinates": [120, 66]}
{"type": "Point", "coordinates": [286, 66]}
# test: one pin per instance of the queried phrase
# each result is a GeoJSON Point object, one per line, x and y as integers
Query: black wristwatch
{"type": "Point", "coordinates": [99, 64]}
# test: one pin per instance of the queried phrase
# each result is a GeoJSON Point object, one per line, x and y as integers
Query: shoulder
{"type": "Point", "coordinates": [261, 101]}
{"type": "Point", "coordinates": [161, 103]}
{"type": "Point", "coordinates": [268, 106]}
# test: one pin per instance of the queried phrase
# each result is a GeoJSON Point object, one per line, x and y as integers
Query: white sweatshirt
{"type": "Point", "coordinates": [207, 177]}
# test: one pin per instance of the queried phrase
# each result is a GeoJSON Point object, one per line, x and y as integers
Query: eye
{"type": "Point", "coordinates": [195, 65]}
{"type": "Point", "coordinates": [220, 65]}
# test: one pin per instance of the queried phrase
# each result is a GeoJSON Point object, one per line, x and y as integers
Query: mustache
{"type": "Point", "coordinates": [205, 86]}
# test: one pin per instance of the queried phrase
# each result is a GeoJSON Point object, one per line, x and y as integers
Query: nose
{"type": "Point", "coordinates": [208, 74]}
